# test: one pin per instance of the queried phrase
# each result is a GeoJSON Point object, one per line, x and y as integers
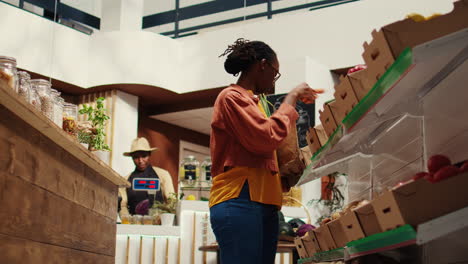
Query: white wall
{"type": "Point", "coordinates": [125, 123]}
{"type": "Point", "coordinates": [134, 57]}
{"type": "Point", "coordinates": [35, 42]}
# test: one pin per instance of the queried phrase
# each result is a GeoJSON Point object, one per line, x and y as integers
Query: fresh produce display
{"type": "Point", "coordinates": [464, 167]}
{"type": "Point", "coordinates": [421, 175]}
{"type": "Point", "coordinates": [296, 223]}
{"type": "Point", "coordinates": [303, 229]}
{"type": "Point", "coordinates": [436, 162]}
{"type": "Point", "coordinates": [142, 207]}
{"type": "Point", "coordinates": [440, 168]}
{"type": "Point", "coordinates": [324, 221]}
{"type": "Point", "coordinates": [357, 68]}
{"type": "Point", "coordinates": [285, 229]}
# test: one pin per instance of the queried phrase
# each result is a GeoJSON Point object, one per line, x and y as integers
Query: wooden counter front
{"type": "Point", "coordinates": [58, 202]}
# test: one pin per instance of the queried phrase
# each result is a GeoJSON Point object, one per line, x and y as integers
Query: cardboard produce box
{"type": "Point", "coordinates": [391, 40]}
{"type": "Point", "coordinates": [301, 251]}
{"type": "Point", "coordinates": [351, 226]}
{"type": "Point", "coordinates": [324, 238]}
{"type": "Point", "coordinates": [420, 201]}
{"type": "Point", "coordinates": [345, 97]}
{"type": "Point", "coordinates": [313, 140]}
{"type": "Point", "coordinates": [361, 83]}
{"type": "Point", "coordinates": [327, 117]}
{"type": "Point", "coordinates": [337, 232]}
{"type": "Point", "coordinates": [311, 242]}
{"type": "Point", "coordinates": [316, 138]}
{"type": "Point", "coordinates": [368, 219]}
{"type": "Point", "coordinates": [350, 90]}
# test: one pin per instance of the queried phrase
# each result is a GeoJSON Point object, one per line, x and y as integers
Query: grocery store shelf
{"type": "Point", "coordinates": [331, 255]}
{"type": "Point", "coordinates": [442, 226]}
{"type": "Point", "coordinates": [396, 238]}
{"type": "Point", "coordinates": [399, 94]}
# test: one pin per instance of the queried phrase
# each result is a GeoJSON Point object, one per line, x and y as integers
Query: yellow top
{"type": "Point", "coordinates": [264, 187]}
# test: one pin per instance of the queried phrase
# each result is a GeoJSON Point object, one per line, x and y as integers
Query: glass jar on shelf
{"type": "Point", "coordinates": [205, 179]}
{"type": "Point", "coordinates": [34, 99]}
{"type": "Point", "coordinates": [43, 89]}
{"type": "Point", "coordinates": [8, 72]}
{"type": "Point", "coordinates": [70, 115]}
{"type": "Point", "coordinates": [54, 97]}
{"type": "Point", "coordinates": [189, 171]}
{"type": "Point", "coordinates": [59, 102]}
{"type": "Point", "coordinates": [24, 87]}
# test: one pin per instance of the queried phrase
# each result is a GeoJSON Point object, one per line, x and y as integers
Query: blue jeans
{"type": "Point", "coordinates": [246, 231]}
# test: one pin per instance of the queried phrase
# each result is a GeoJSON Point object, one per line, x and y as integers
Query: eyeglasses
{"type": "Point", "coordinates": [277, 74]}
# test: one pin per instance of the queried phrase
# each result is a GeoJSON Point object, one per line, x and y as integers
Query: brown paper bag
{"type": "Point", "coordinates": [290, 159]}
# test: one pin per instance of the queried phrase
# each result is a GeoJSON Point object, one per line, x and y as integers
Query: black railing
{"type": "Point", "coordinates": [65, 14]}
{"type": "Point", "coordinates": [217, 6]}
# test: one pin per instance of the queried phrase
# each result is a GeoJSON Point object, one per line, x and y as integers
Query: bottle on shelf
{"type": "Point", "coordinates": [189, 171]}
{"type": "Point", "coordinates": [205, 179]}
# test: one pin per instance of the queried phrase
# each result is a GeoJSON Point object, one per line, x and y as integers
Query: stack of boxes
{"type": "Point", "coordinates": [414, 202]}
{"type": "Point", "coordinates": [385, 47]}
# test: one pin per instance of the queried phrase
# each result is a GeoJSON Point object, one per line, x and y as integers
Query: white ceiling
{"type": "Point", "coordinates": [197, 119]}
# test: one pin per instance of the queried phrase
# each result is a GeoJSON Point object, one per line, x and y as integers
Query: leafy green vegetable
{"type": "Point", "coordinates": [98, 118]}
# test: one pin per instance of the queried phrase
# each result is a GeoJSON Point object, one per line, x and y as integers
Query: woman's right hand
{"type": "Point", "coordinates": [302, 92]}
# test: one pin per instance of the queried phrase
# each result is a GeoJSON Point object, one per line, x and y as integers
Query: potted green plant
{"type": "Point", "coordinates": [92, 132]}
{"type": "Point", "coordinates": [166, 210]}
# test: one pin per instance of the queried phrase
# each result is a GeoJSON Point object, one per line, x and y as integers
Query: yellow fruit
{"type": "Point", "coordinates": [191, 197]}
{"type": "Point", "coordinates": [416, 17]}
{"type": "Point", "coordinates": [433, 16]}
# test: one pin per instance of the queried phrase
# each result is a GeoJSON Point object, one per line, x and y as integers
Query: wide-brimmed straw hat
{"type": "Point", "coordinates": [139, 144]}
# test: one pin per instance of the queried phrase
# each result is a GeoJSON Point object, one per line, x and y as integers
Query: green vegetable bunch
{"type": "Point", "coordinates": [95, 137]}
{"type": "Point", "coordinates": [170, 206]}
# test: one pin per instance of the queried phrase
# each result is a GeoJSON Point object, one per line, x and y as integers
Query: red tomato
{"type": "Point", "coordinates": [436, 162]}
{"type": "Point", "coordinates": [430, 178]}
{"type": "Point", "coordinates": [421, 175]}
{"type": "Point", "coordinates": [464, 167]}
{"type": "Point", "coordinates": [446, 172]}
{"type": "Point", "coordinates": [357, 68]}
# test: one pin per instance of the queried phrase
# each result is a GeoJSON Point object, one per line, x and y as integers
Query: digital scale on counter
{"type": "Point", "coordinates": [151, 185]}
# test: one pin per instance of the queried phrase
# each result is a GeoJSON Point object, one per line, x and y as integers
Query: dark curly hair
{"type": "Point", "coordinates": [243, 53]}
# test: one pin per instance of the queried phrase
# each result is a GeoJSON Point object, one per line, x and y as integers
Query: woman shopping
{"type": "Point", "coordinates": [246, 193]}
